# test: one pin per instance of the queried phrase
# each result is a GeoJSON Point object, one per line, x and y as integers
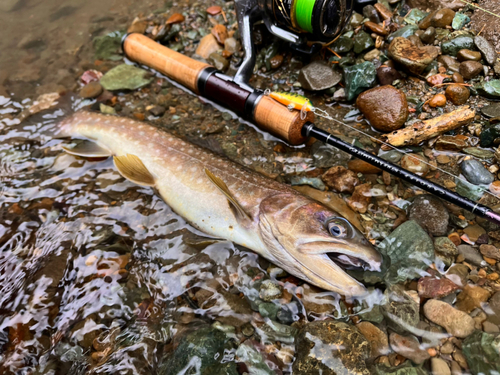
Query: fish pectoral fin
{"type": "Point", "coordinates": [87, 149]}
{"type": "Point", "coordinates": [221, 185]}
{"type": "Point", "coordinates": [133, 169]}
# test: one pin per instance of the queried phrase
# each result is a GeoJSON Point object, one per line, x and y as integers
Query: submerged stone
{"type": "Point", "coordinates": [430, 213]}
{"type": "Point", "coordinates": [482, 351]}
{"type": "Point", "coordinates": [400, 310]}
{"type": "Point", "coordinates": [490, 89]}
{"type": "Point", "coordinates": [411, 251]}
{"type": "Point", "coordinates": [468, 190]}
{"type": "Point", "coordinates": [359, 78]}
{"type": "Point", "coordinates": [475, 172]}
{"type": "Point", "coordinates": [125, 77]}
{"type": "Point", "coordinates": [405, 369]}
{"type": "Point", "coordinates": [331, 348]}
{"type": "Point", "coordinates": [453, 46]}
{"type": "Point", "coordinates": [254, 361]}
{"type": "Point", "coordinates": [107, 47]}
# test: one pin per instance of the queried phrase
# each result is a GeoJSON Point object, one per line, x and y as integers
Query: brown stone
{"type": "Point", "coordinates": [385, 107]}
{"type": "Point", "coordinates": [276, 61]}
{"type": "Point", "coordinates": [175, 18]}
{"type": "Point", "coordinates": [457, 94]}
{"type": "Point", "coordinates": [433, 287]}
{"type": "Point", "coordinates": [437, 79]}
{"type": "Point", "coordinates": [470, 69]}
{"type": "Point", "coordinates": [408, 347]}
{"type": "Point", "coordinates": [387, 75]}
{"type": "Point", "coordinates": [438, 100]}
{"type": "Point", "coordinates": [471, 298]}
{"type": "Point", "coordinates": [425, 23]}
{"type": "Point", "coordinates": [410, 56]}
{"type": "Point", "coordinates": [340, 179]}
{"type": "Point", "coordinates": [375, 28]}
{"type": "Point", "coordinates": [467, 54]}
{"type": "Point", "coordinates": [214, 10]}
{"type": "Point", "coordinates": [220, 33]}
{"type": "Point", "coordinates": [208, 45]}
{"type": "Point", "coordinates": [385, 13]}
{"type": "Point", "coordinates": [360, 198]}
{"type": "Point", "coordinates": [91, 90]}
{"type": "Point", "coordinates": [457, 78]}
{"type": "Point", "coordinates": [442, 18]}
{"type": "Point", "coordinates": [449, 63]}
{"type": "Point", "coordinates": [490, 251]}
{"type": "Point", "coordinates": [376, 337]}
{"type": "Point", "coordinates": [415, 163]}
{"type": "Point", "coordinates": [360, 166]}
{"type": "Point", "coordinates": [452, 142]}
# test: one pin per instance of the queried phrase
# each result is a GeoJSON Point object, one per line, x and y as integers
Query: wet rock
{"type": "Point", "coordinates": [456, 44]}
{"type": "Point", "coordinates": [107, 47]}
{"type": "Point", "coordinates": [387, 75]}
{"type": "Point", "coordinates": [470, 69]}
{"type": "Point", "coordinates": [474, 232]}
{"type": "Point", "coordinates": [91, 90]}
{"type": "Point", "coordinates": [456, 322]}
{"type": "Point", "coordinates": [457, 94]}
{"type": "Point", "coordinates": [439, 367]}
{"type": "Point", "coordinates": [175, 18]}
{"type": "Point", "coordinates": [471, 298]}
{"type": "Point", "coordinates": [486, 49]}
{"type": "Point", "coordinates": [430, 213]}
{"type": "Point", "coordinates": [331, 348]}
{"type": "Point", "coordinates": [326, 156]}
{"type": "Point", "coordinates": [341, 179]}
{"type": "Point", "coordinates": [433, 287]}
{"type": "Point", "coordinates": [403, 32]}
{"type": "Point", "coordinates": [208, 45]}
{"type": "Point", "coordinates": [218, 62]}
{"type": "Point", "coordinates": [414, 16]}
{"type": "Point", "coordinates": [404, 369]}
{"type": "Point", "coordinates": [125, 77]}
{"type": "Point", "coordinates": [269, 290]}
{"type": "Point", "coordinates": [410, 249]}
{"type": "Point", "coordinates": [359, 78]}
{"type": "Point", "coordinates": [471, 255]}
{"type": "Point", "coordinates": [372, 55]}
{"type": "Point", "coordinates": [469, 190]}
{"type": "Point", "coordinates": [315, 182]}
{"type": "Point", "coordinates": [385, 107]}
{"type": "Point", "coordinates": [408, 347]}
{"type": "Point", "coordinates": [407, 54]}
{"type": "Point", "coordinates": [489, 89]}
{"type": "Point", "coordinates": [254, 361]}
{"type": "Point", "coordinates": [208, 346]}
{"type": "Point", "coordinates": [437, 79]}
{"type": "Point", "coordinates": [371, 13]}
{"type": "Point", "coordinates": [429, 35]}
{"type": "Point", "coordinates": [442, 18]}
{"type": "Point", "coordinates": [376, 337]}
{"type": "Point", "coordinates": [157, 110]}
{"type": "Point", "coordinates": [482, 353]}
{"type": "Point", "coordinates": [493, 309]}
{"type": "Point", "coordinates": [415, 163]}
{"type": "Point", "coordinates": [457, 78]}
{"type": "Point", "coordinates": [318, 76]}
{"type": "Point", "coordinates": [475, 172]}
{"type": "Point", "coordinates": [316, 301]}
{"type": "Point", "coordinates": [400, 310]}
{"type": "Point", "coordinates": [376, 28]}
{"type": "Point", "coordinates": [458, 273]}
{"type": "Point", "coordinates": [460, 21]}
{"type": "Point", "coordinates": [232, 45]}
{"type": "Point", "coordinates": [219, 31]}
{"type": "Point", "coordinates": [449, 63]}
{"type": "Point", "coordinates": [445, 250]}
{"type": "Point", "coordinates": [343, 44]}
{"type": "Point", "coordinates": [269, 310]}
{"type": "Point", "coordinates": [438, 100]}
{"type": "Point", "coordinates": [276, 61]}
{"type": "Point", "coordinates": [467, 54]}
{"type": "Point", "coordinates": [43, 102]}
{"type": "Point", "coordinates": [491, 110]}
{"type": "Point", "coordinates": [360, 198]}
{"type": "Point", "coordinates": [490, 251]}
{"type": "Point", "coordinates": [362, 42]}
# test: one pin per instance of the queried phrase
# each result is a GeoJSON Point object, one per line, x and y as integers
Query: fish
{"type": "Point", "coordinates": [228, 201]}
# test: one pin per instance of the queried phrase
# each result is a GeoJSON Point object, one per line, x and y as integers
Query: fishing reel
{"type": "Point", "coordinates": [298, 22]}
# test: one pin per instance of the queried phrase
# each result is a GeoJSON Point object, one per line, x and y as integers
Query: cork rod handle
{"type": "Point", "coordinates": [180, 68]}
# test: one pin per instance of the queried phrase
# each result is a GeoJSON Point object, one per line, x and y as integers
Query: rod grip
{"type": "Point", "coordinates": [180, 68]}
{"type": "Point", "coordinates": [278, 120]}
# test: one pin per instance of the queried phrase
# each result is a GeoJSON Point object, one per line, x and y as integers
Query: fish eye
{"type": "Point", "coordinates": [339, 227]}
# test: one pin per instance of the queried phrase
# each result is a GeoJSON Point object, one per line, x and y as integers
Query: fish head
{"type": "Point", "coordinates": [315, 243]}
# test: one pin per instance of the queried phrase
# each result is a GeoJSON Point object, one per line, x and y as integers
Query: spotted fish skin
{"type": "Point", "coordinates": [179, 171]}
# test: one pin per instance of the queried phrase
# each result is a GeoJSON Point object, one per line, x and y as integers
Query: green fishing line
{"type": "Point", "coordinates": [303, 14]}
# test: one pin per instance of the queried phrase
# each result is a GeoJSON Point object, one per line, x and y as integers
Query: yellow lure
{"type": "Point", "coordinates": [292, 100]}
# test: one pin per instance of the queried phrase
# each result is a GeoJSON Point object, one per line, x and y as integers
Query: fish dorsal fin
{"type": "Point", "coordinates": [221, 185]}
{"type": "Point", "coordinates": [87, 149]}
{"type": "Point", "coordinates": [133, 169]}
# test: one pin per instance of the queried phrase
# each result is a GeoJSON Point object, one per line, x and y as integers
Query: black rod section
{"type": "Point", "coordinates": [309, 130]}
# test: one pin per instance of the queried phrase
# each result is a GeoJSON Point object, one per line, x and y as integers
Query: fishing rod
{"type": "Point", "coordinates": [292, 126]}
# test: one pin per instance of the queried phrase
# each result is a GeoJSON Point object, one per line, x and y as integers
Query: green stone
{"type": "Point", "coordinates": [315, 182]}
{"type": "Point", "coordinates": [269, 310]}
{"type": "Point", "coordinates": [479, 153]}
{"type": "Point", "coordinates": [415, 16]}
{"type": "Point", "coordinates": [343, 44]}
{"type": "Point", "coordinates": [404, 32]}
{"type": "Point", "coordinates": [460, 21]}
{"type": "Point", "coordinates": [489, 134]}
{"type": "Point", "coordinates": [202, 349]}
{"type": "Point", "coordinates": [362, 41]}
{"type": "Point", "coordinates": [482, 351]}
{"type": "Point", "coordinates": [359, 78]}
{"type": "Point", "coordinates": [490, 89]}
{"type": "Point", "coordinates": [125, 77]}
{"type": "Point", "coordinates": [445, 250]}
{"type": "Point", "coordinates": [410, 249]}
{"type": "Point", "coordinates": [253, 360]}
{"type": "Point", "coordinates": [468, 190]}
{"type": "Point", "coordinates": [404, 369]}
{"type": "Point", "coordinates": [452, 47]}
{"type": "Point", "coordinates": [401, 310]}
{"type": "Point", "coordinates": [107, 47]}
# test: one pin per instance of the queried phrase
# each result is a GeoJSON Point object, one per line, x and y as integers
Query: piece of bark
{"type": "Point", "coordinates": [333, 201]}
{"type": "Point", "coordinates": [422, 130]}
